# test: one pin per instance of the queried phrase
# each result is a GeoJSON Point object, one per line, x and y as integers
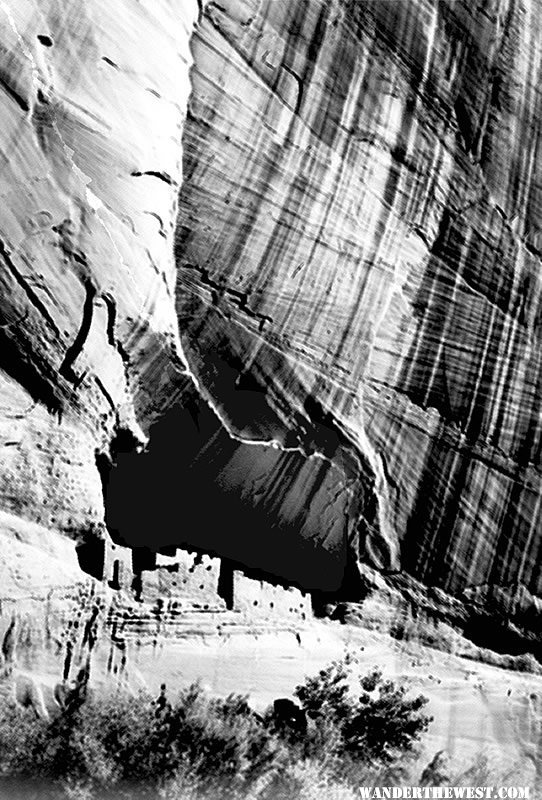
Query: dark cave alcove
{"type": "Point", "coordinates": [278, 513]}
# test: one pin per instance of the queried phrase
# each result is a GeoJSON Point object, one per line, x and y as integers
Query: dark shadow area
{"type": "Point", "coordinates": [225, 588]}
{"type": "Point", "coordinates": [273, 512]}
{"type": "Point", "coordinates": [91, 556]}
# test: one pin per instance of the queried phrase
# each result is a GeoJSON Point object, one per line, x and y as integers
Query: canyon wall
{"type": "Point", "coordinates": [92, 104]}
{"type": "Point", "coordinates": [358, 278]}
{"type": "Point", "coordinates": [284, 308]}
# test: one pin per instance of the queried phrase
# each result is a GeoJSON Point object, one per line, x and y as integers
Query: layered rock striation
{"type": "Point", "coordinates": [358, 256]}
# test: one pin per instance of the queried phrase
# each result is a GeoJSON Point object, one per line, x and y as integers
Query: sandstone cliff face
{"type": "Point", "coordinates": [358, 257]}
{"type": "Point", "coordinates": [92, 103]}
{"type": "Point", "coordinates": [344, 358]}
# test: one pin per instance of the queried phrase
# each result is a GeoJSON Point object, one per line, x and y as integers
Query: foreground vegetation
{"type": "Point", "coordinates": [196, 747]}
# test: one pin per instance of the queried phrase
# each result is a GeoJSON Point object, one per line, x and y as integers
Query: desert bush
{"type": "Point", "coordinates": [380, 725]}
{"type": "Point", "coordinates": [20, 735]}
{"type": "Point", "coordinates": [309, 780]}
{"type": "Point", "coordinates": [195, 747]}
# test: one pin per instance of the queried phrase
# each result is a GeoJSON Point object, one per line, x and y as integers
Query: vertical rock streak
{"type": "Point", "coordinates": [365, 176]}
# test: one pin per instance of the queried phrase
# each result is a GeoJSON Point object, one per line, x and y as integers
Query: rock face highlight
{"type": "Point", "coordinates": [92, 111]}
